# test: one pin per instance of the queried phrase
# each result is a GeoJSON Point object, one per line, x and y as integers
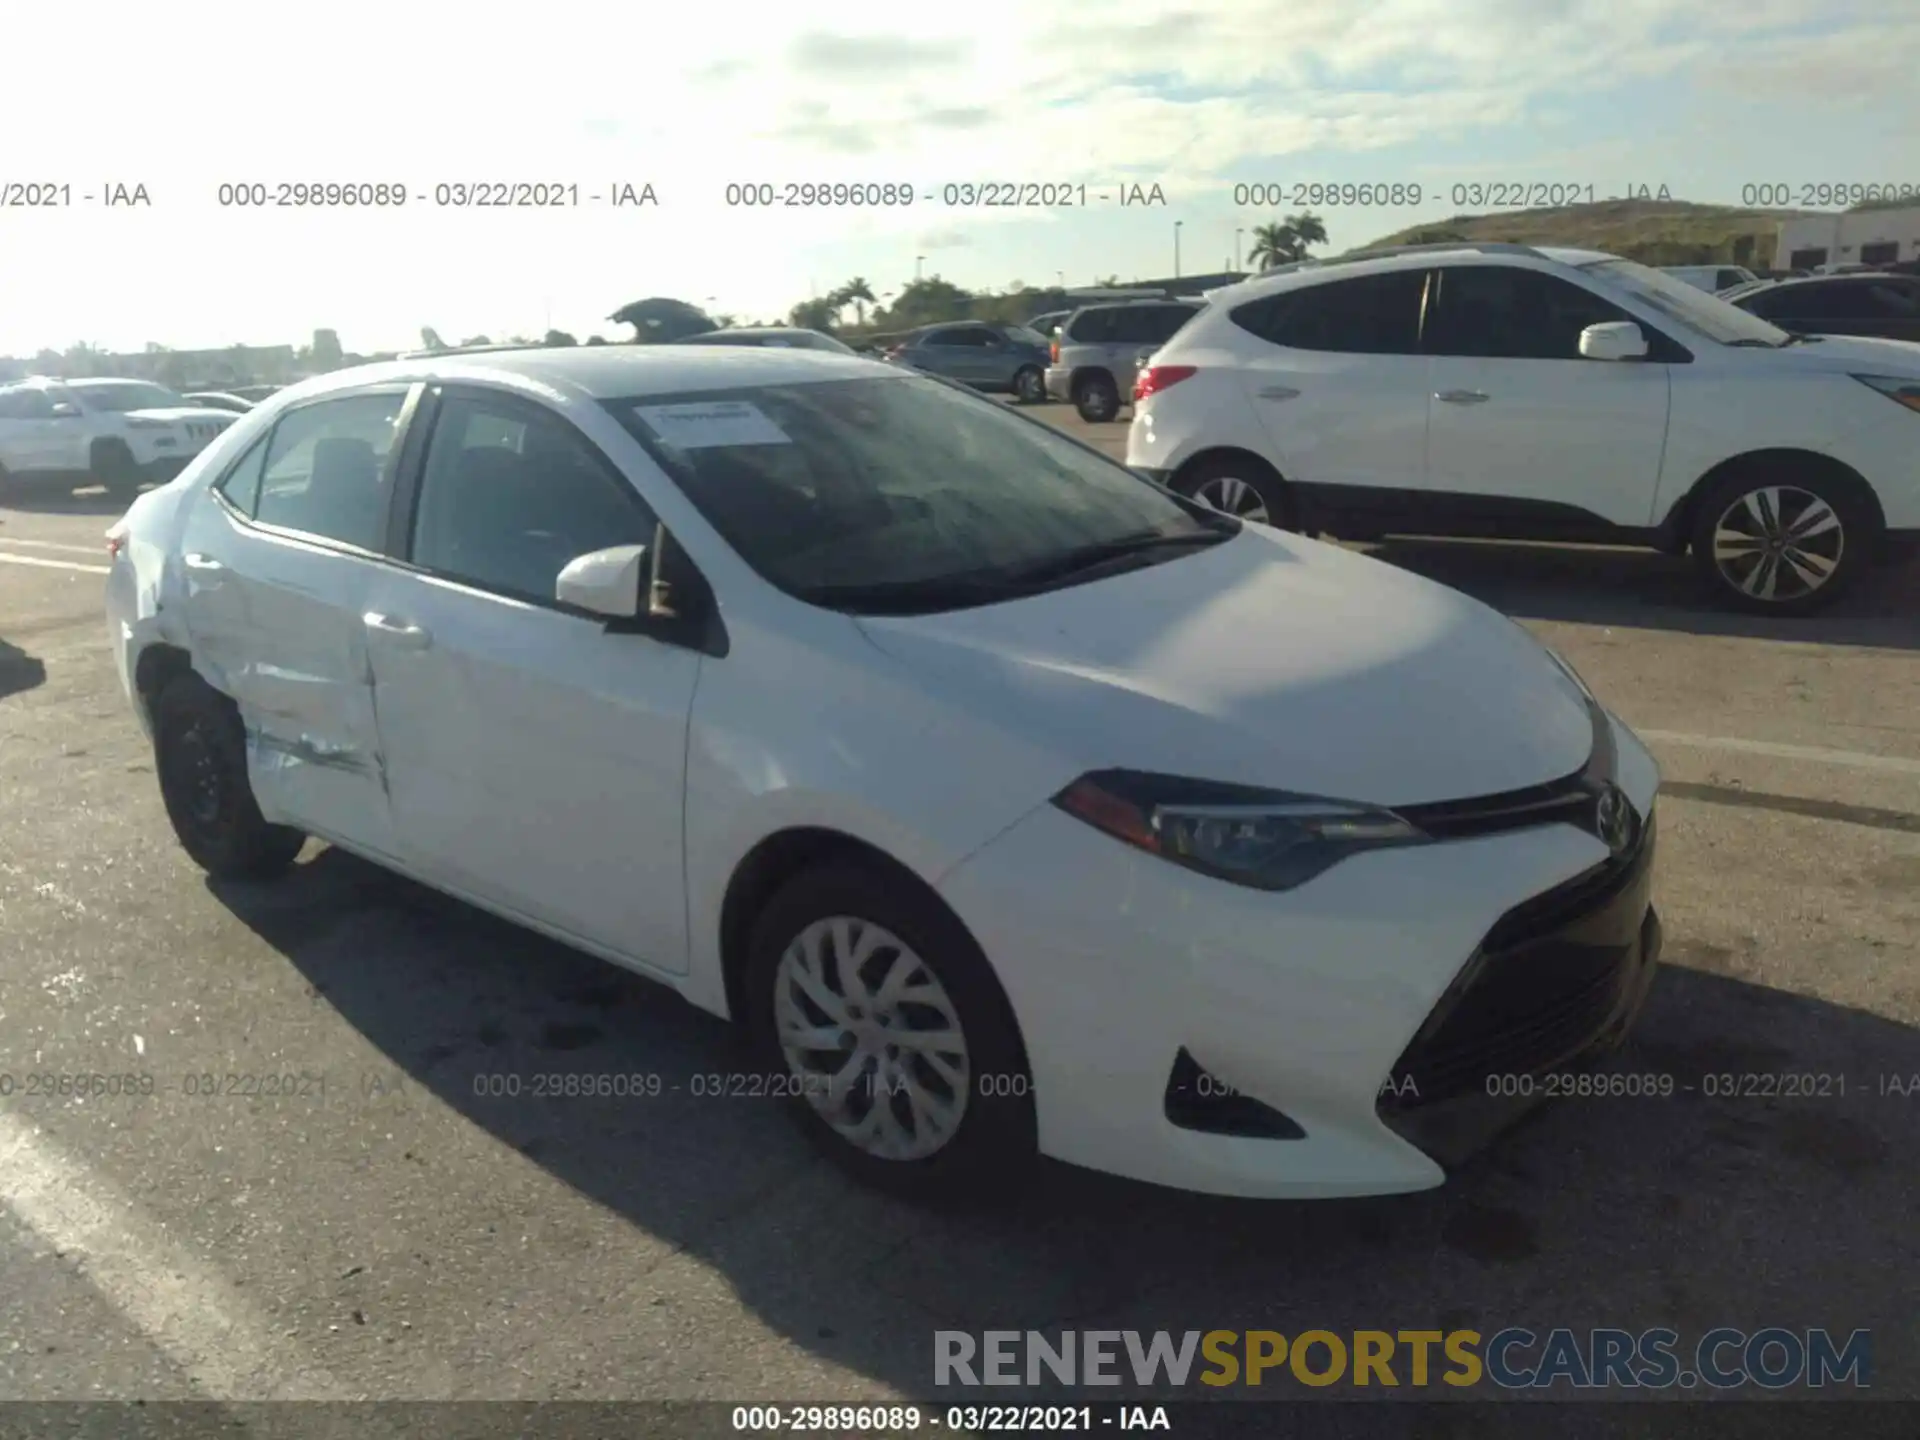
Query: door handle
{"type": "Point", "coordinates": [1279, 392]}
{"type": "Point", "coordinates": [400, 632]}
{"type": "Point", "coordinates": [204, 572]}
{"type": "Point", "coordinates": [1462, 397]}
{"type": "Point", "coordinates": [204, 563]}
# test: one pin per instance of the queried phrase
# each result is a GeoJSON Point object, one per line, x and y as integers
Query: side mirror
{"type": "Point", "coordinates": [1613, 340]}
{"type": "Point", "coordinates": [65, 410]}
{"type": "Point", "coordinates": [606, 582]}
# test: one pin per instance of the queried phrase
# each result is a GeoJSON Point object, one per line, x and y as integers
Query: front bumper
{"type": "Point", "coordinates": [1310, 1003]}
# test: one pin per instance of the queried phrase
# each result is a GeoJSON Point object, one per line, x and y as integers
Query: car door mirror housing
{"type": "Point", "coordinates": [606, 582]}
{"type": "Point", "coordinates": [1613, 340]}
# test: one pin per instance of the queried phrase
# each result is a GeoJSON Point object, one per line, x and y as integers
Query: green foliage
{"type": "Point", "coordinates": [1285, 241]}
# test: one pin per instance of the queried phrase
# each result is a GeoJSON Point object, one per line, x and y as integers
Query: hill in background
{"type": "Point", "coordinates": [1656, 232]}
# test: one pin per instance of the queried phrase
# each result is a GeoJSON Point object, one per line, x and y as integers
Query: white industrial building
{"type": "Point", "coordinates": [1851, 237]}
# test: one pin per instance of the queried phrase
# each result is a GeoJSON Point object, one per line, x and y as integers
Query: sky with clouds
{"type": "Point", "coordinates": [1195, 97]}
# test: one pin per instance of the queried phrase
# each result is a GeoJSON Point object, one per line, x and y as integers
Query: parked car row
{"type": "Point", "coordinates": [1861, 303]}
{"type": "Point", "coordinates": [848, 704]}
{"type": "Point", "coordinates": [120, 433]}
{"type": "Point", "coordinates": [1549, 394]}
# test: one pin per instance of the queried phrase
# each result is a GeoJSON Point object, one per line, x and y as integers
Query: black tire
{"type": "Point", "coordinates": [1801, 522]}
{"type": "Point", "coordinates": [1096, 398]}
{"type": "Point", "coordinates": [1241, 486]}
{"type": "Point", "coordinates": [995, 1142]}
{"type": "Point", "coordinates": [114, 467]}
{"type": "Point", "coordinates": [200, 752]}
{"type": "Point", "coordinates": [1029, 385]}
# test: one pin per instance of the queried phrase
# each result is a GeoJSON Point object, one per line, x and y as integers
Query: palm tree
{"type": "Point", "coordinates": [857, 293]}
{"type": "Point", "coordinates": [1287, 241]}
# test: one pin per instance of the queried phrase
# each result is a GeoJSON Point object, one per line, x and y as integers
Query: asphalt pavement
{"type": "Point", "coordinates": [320, 1197]}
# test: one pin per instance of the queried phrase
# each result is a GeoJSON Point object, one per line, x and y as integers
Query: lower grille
{"type": "Point", "coordinates": [1551, 977]}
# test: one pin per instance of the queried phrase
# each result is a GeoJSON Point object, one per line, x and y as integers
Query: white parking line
{"type": "Point", "coordinates": [1853, 759]}
{"type": "Point", "coordinates": [191, 1314]}
{"type": "Point", "coordinates": [55, 564]}
{"type": "Point", "coordinates": [52, 545]}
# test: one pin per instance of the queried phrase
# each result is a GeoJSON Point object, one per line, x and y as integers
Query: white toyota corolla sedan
{"type": "Point", "coordinates": [1010, 802]}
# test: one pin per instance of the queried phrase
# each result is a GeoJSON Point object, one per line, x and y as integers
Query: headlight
{"type": "Point", "coordinates": [1901, 389]}
{"type": "Point", "coordinates": [1264, 839]}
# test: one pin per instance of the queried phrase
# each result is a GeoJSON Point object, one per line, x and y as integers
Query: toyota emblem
{"type": "Point", "coordinates": [1613, 819]}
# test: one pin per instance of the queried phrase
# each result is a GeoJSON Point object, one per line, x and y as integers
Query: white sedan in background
{"type": "Point", "coordinates": [1013, 804]}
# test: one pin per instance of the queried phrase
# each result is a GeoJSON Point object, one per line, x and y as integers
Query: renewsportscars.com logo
{"type": "Point", "coordinates": [1514, 1358]}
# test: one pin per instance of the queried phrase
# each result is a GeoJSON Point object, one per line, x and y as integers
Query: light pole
{"type": "Point", "coordinates": [1239, 256]}
{"type": "Point", "coordinates": [1176, 247]}
{"type": "Point", "coordinates": [918, 261]}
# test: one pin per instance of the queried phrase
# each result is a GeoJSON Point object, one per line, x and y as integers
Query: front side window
{"type": "Point", "coordinates": [1369, 315]}
{"type": "Point", "coordinates": [326, 467]}
{"type": "Point", "coordinates": [511, 493]}
{"type": "Point", "coordinates": [899, 492]}
{"type": "Point", "coordinates": [1506, 313]}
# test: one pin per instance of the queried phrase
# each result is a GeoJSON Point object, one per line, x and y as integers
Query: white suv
{"type": "Point", "coordinates": [1545, 394]}
{"type": "Point", "coordinates": [119, 432]}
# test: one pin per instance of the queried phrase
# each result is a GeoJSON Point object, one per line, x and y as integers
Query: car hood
{"type": "Point", "coordinates": [1267, 660]}
{"type": "Point", "coordinates": [175, 413]}
{"type": "Point", "coordinates": [1858, 354]}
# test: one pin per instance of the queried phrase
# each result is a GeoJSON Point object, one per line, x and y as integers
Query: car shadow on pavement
{"type": "Point", "coordinates": [52, 499]}
{"type": "Point", "coordinates": [1640, 589]}
{"type": "Point", "coordinates": [19, 671]}
{"type": "Point", "coordinates": [1724, 1200]}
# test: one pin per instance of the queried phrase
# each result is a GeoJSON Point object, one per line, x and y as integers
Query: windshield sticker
{"type": "Point", "coordinates": [707, 426]}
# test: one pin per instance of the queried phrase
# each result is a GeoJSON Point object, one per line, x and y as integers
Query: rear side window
{"type": "Point", "coordinates": [326, 468]}
{"type": "Point", "coordinates": [1093, 327]}
{"type": "Point", "coordinates": [241, 484]}
{"type": "Point", "coordinates": [1370, 315]}
{"type": "Point", "coordinates": [1168, 321]}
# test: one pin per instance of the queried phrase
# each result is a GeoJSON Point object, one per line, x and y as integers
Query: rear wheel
{"type": "Point", "coordinates": [1096, 398]}
{"type": "Point", "coordinates": [200, 752]}
{"type": "Point", "coordinates": [1242, 487]}
{"type": "Point", "coordinates": [1778, 541]}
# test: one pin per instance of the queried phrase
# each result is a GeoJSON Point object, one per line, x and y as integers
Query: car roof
{"type": "Point", "coordinates": [611, 372]}
{"type": "Point", "coordinates": [1854, 277]}
{"type": "Point", "coordinates": [1398, 257]}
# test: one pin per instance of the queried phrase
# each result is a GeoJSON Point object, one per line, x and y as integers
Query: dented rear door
{"type": "Point", "coordinates": [274, 612]}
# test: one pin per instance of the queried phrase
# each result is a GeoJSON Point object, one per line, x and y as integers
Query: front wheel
{"type": "Point", "coordinates": [887, 1032]}
{"type": "Point", "coordinates": [1030, 385]}
{"type": "Point", "coordinates": [200, 752]}
{"type": "Point", "coordinates": [115, 468]}
{"type": "Point", "coordinates": [1783, 544]}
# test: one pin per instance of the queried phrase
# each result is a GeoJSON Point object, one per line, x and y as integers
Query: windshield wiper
{"type": "Point", "coordinates": [1749, 342]}
{"type": "Point", "coordinates": [910, 597]}
{"type": "Point", "coordinates": [1087, 558]}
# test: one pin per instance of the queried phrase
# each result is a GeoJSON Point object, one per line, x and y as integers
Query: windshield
{"type": "Point", "coordinates": [122, 395]}
{"type": "Point", "coordinates": [898, 492]}
{"type": "Point", "coordinates": [1711, 316]}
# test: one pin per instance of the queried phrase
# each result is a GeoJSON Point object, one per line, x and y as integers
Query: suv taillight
{"type": "Point", "coordinates": [1155, 378]}
{"type": "Point", "coordinates": [1053, 351]}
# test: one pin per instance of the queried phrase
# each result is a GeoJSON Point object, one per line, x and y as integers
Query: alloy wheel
{"type": "Point", "coordinates": [1778, 543]}
{"type": "Point", "coordinates": [1234, 496]}
{"type": "Point", "coordinates": [872, 1038]}
{"type": "Point", "coordinates": [1031, 385]}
